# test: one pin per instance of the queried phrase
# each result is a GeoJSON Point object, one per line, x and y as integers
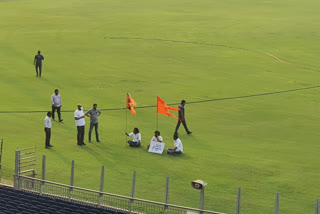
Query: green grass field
{"type": "Point", "coordinates": [263, 144]}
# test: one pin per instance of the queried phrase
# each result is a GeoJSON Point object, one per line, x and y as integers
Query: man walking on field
{"type": "Point", "coordinates": [182, 118]}
{"type": "Point", "coordinates": [38, 63]}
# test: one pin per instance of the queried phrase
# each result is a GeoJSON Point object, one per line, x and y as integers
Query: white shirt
{"type": "Point", "coordinates": [56, 100]}
{"type": "Point", "coordinates": [82, 121]}
{"type": "Point", "coordinates": [47, 122]}
{"type": "Point", "coordinates": [178, 144]}
{"type": "Point", "coordinates": [136, 137]}
{"type": "Point", "coordinates": [155, 139]}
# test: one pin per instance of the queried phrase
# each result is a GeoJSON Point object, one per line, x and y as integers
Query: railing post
{"type": "Point", "coordinates": [317, 206]}
{"type": "Point", "coordinates": [201, 200]}
{"type": "Point", "coordinates": [276, 206]}
{"type": "Point", "coordinates": [133, 188]}
{"type": "Point", "coordinates": [16, 170]}
{"type": "Point", "coordinates": [101, 184]}
{"type": "Point", "coordinates": [71, 179]}
{"type": "Point", "coordinates": [1, 147]}
{"type": "Point", "coordinates": [166, 198]}
{"type": "Point", "coordinates": [238, 200]}
{"type": "Point", "coordinates": [35, 162]}
{"type": "Point", "coordinates": [43, 177]}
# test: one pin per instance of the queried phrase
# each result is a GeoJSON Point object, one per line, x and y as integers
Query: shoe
{"type": "Point", "coordinates": [50, 146]}
{"type": "Point", "coordinates": [83, 144]}
{"type": "Point", "coordinates": [98, 141]}
{"type": "Point", "coordinates": [47, 147]}
{"type": "Point", "coordinates": [90, 141]}
{"type": "Point", "coordinates": [61, 120]}
{"type": "Point", "coordinates": [189, 132]}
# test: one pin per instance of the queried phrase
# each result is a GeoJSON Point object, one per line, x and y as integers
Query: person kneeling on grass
{"type": "Point", "coordinates": [178, 148]}
{"type": "Point", "coordinates": [136, 138]}
{"type": "Point", "coordinates": [155, 138]}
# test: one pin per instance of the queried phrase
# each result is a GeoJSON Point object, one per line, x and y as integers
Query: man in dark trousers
{"type": "Point", "coordinates": [56, 104]}
{"type": "Point", "coordinates": [93, 113]}
{"type": "Point", "coordinates": [182, 118]}
{"type": "Point", "coordinates": [38, 63]}
{"type": "Point", "coordinates": [80, 123]}
{"type": "Point", "coordinates": [47, 129]}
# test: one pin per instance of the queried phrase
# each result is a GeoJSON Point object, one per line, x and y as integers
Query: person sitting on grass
{"type": "Point", "coordinates": [178, 148]}
{"type": "Point", "coordinates": [155, 138]}
{"type": "Point", "coordinates": [136, 138]}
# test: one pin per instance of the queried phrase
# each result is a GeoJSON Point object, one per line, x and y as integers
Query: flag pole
{"type": "Point", "coordinates": [157, 116]}
{"type": "Point", "coordinates": [126, 119]}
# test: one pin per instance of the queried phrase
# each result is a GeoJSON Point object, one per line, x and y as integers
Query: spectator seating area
{"type": "Point", "coordinates": [15, 201]}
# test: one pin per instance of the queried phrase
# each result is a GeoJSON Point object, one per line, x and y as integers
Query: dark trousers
{"type": "Point", "coordinates": [184, 124]}
{"type": "Point", "coordinates": [80, 135]}
{"type": "Point", "coordinates": [95, 125]}
{"type": "Point", "coordinates": [169, 151]}
{"type": "Point", "coordinates": [133, 144]}
{"type": "Point", "coordinates": [39, 66]}
{"type": "Point", "coordinates": [58, 111]}
{"type": "Point", "coordinates": [48, 136]}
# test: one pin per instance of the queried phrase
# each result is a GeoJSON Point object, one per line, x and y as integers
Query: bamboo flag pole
{"type": "Point", "coordinates": [126, 120]}
{"type": "Point", "coordinates": [157, 116]}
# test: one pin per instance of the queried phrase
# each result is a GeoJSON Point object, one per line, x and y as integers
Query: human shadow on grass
{"type": "Point", "coordinates": [97, 155]}
{"type": "Point", "coordinates": [59, 155]}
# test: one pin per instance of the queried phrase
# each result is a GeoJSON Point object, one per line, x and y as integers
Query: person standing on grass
{"type": "Point", "coordinates": [93, 113]}
{"type": "Point", "coordinates": [56, 104]}
{"type": "Point", "coordinates": [178, 148]}
{"type": "Point", "coordinates": [136, 138]}
{"type": "Point", "coordinates": [80, 123]}
{"type": "Point", "coordinates": [182, 118]}
{"type": "Point", "coordinates": [38, 63]}
{"type": "Point", "coordinates": [47, 130]}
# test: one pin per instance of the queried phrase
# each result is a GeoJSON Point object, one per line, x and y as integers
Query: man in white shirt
{"type": "Point", "coordinates": [47, 129]}
{"type": "Point", "coordinates": [56, 104]}
{"type": "Point", "coordinates": [136, 138]}
{"type": "Point", "coordinates": [178, 148]}
{"type": "Point", "coordinates": [155, 138]}
{"type": "Point", "coordinates": [80, 123]}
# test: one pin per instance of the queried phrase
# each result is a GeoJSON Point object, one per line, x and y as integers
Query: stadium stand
{"type": "Point", "coordinates": [16, 201]}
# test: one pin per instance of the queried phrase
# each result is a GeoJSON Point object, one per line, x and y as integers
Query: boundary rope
{"type": "Point", "coordinates": [189, 102]}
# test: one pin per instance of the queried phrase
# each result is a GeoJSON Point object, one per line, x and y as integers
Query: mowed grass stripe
{"type": "Point", "coordinates": [265, 145]}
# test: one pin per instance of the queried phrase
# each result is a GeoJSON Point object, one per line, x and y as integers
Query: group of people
{"type": "Point", "coordinates": [178, 147]}
{"type": "Point", "coordinates": [79, 116]}
{"type": "Point", "coordinates": [136, 141]}
{"type": "Point", "coordinates": [94, 113]}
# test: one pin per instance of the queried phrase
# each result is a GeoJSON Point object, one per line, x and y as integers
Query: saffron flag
{"type": "Point", "coordinates": [162, 108]}
{"type": "Point", "coordinates": [131, 104]}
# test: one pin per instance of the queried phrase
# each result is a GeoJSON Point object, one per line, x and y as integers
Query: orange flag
{"type": "Point", "coordinates": [131, 104]}
{"type": "Point", "coordinates": [162, 108]}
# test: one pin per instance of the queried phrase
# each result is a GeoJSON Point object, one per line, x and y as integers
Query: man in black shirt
{"type": "Point", "coordinates": [182, 118]}
{"type": "Point", "coordinates": [38, 63]}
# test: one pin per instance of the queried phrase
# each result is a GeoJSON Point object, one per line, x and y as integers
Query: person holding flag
{"type": "Point", "coordinates": [136, 141]}
{"type": "Point", "coordinates": [182, 118]}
